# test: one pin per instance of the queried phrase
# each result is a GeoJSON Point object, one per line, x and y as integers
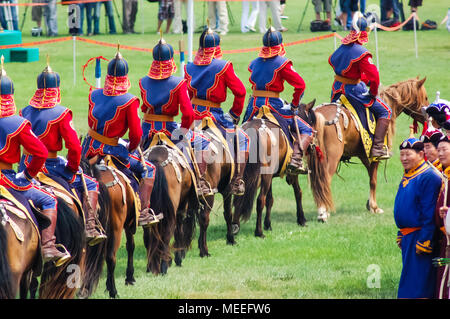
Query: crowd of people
{"type": "Point", "coordinates": [87, 15]}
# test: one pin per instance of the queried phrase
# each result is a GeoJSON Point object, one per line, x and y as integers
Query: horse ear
{"type": "Point", "coordinates": [421, 82]}
{"type": "Point", "coordinates": [310, 105]}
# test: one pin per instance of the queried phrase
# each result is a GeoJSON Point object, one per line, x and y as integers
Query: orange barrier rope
{"type": "Point", "coordinates": [382, 27]}
{"type": "Point", "coordinates": [35, 43]}
{"type": "Point", "coordinates": [45, 4]}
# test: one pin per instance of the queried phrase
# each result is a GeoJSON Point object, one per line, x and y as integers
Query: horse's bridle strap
{"type": "Point", "coordinates": [113, 141]}
{"type": "Point", "coordinates": [346, 80]}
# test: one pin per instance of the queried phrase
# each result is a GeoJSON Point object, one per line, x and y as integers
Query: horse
{"type": "Point", "coordinates": [20, 256]}
{"type": "Point", "coordinates": [117, 213]}
{"type": "Point", "coordinates": [271, 151]}
{"type": "Point", "coordinates": [339, 139]}
{"type": "Point", "coordinates": [174, 195]}
{"type": "Point", "coordinates": [218, 174]}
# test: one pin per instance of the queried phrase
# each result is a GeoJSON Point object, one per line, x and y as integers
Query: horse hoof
{"type": "Point", "coordinates": [377, 210]}
{"type": "Point", "coordinates": [260, 235]}
{"type": "Point", "coordinates": [130, 282]}
{"type": "Point", "coordinates": [205, 255]}
{"type": "Point", "coordinates": [235, 229]}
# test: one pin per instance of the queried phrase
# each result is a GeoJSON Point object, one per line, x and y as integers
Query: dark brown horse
{"type": "Point", "coordinates": [339, 139]}
{"type": "Point", "coordinates": [270, 151]}
{"type": "Point", "coordinates": [117, 213]}
{"type": "Point", "coordinates": [173, 195]}
{"type": "Point", "coordinates": [20, 256]}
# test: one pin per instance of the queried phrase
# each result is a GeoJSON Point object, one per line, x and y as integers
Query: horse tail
{"type": "Point", "coordinates": [243, 205]}
{"type": "Point", "coordinates": [95, 255]}
{"type": "Point", "coordinates": [62, 282]}
{"type": "Point", "coordinates": [319, 177]}
{"type": "Point", "coordinates": [6, 290]}
{"type": "Point", "coordinates": [159, 236]}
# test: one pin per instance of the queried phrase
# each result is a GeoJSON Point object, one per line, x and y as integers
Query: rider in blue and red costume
{"type": "Point", "coordinates": [268, 73]}
{"type": "Point", "coordinates": [15, 131]}
{"type": "Point", "coordinates": [112, 112]}
{"type": "Point", "coordinates": [355, 70]}
{"type": "Point", "coordinates": [52, 123]}
{"type": "Point", "coordinates": [171, 97]}
{"type": "Point", "coordinates": [208, 79]}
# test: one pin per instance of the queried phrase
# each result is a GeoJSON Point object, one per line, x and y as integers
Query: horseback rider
{"type": "Point", "coordinates": [52, 123]}
{"type": "Point", "coordinates": [352, 63]}
{"type": "Point", "coordinates": [112, 112]}
{"type": "Point", "coordinates": [161, 107]}
{"type": "Point", "coordinates": [208, 78]}
{"type": "Point", "coordinates": [15, 131]}
{"type": "Point", "coordinates": [268, 73]}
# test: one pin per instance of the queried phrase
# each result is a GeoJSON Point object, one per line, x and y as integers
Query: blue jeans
{"type": "Point", "coordinates": [90, 14]}
{"type": "Point", "coordinates": [109, 13]}
{"type": "Point", "coordinates": [387, 5]}
{"type": "Point", "coordinates": [51, 18]}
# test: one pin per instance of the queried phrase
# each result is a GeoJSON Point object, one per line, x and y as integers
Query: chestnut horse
{"type": "Point", "coordinates": [269, 150]}
{"type": "Point", "coordinates": [174, 195]}
{"type": "Point", "coordinates": [333, 122]}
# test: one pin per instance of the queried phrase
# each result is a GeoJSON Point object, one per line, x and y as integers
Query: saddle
{"type": "Point", "coordinates": [209, 128]}
{"type": "Point", "coordinates": [365, 123]}
{"type": "Point", "coordinates": [265, 114]}
{"type": "Point", "coordinates": [173, 156]}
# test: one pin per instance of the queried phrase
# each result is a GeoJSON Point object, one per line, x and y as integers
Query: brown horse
{"type": "Point", "coordinates": [173, 195]}
{"type": "Point", "coordinates": [219, 173]}
{"type": "Point", "coordinates": [117, 213]}
{"type": "Point", "coordinates": [339, 139]}
{"type": "Point", "coordinates": [20, 258]}
{"type": "Point", "coordinates": [268, 154]}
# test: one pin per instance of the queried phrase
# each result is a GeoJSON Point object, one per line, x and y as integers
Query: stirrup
{"type": "Point", "coordinates": [295, 170]}
{"type": "Point", "coordinates": [62, 260]}
{"type": "Point", "coordinates": [236, 186]}
{"type": "Point", "coordinates": [97, 239]}
{"type": "Point", "coordinates": [383, 157]}
{"type": "Point", "coordinates": [154, 218]}
{"type": "Point", "coordinates": [200, 192]}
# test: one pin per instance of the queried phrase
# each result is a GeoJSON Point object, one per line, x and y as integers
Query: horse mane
{"type": "Point", "coordinates": [405, 94]}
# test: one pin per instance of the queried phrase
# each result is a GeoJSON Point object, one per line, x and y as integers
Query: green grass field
{"type": "Point", "coordinates": [331, 260]}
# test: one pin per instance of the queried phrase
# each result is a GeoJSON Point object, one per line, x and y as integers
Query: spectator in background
{"type": "Point", "coordinates": [324, 5]}
{"type": "Point", "coordinates": [109, 14]}
{"type": "Point", "coordinates": [36, 15]}
{"type": "Point", "coordinates": [276, 18]}
{"type": "Point", "coordinates": [129, 12]}
{"type": "Point", "coordinates": [177, 24]}
{"type": "Point", "coordinates": [414, 4]}
{"type": "Point", "coordinates": [347, 6]}
{"type": "Point", "coordinates": [282, 7]}
{"type": "Point", "coordinates": [92, 17]}
{"type": "Point", "coordinates": [166, 11]}
{"type": "Point", "coordinates": [248, 22]}
{"type": "Point", "coordinates": [389, 8]}
{"type": "Point", "coordinates": [51, 18]}
{"type": "Point", "coordinates": [218, 16]}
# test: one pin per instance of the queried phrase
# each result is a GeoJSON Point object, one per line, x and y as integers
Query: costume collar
{"type": "Point", "coordinates": [204, 56]}
{"type": "Point", "coordinates": [7, 105]}
{"type": "Point", "coordinates": [269, 52]}
{"type": "Point", "coordinates": [116, 85]}
{"type": "Point", "coordinates": [436, 163]}
{"type": "Point", "coordinates": [447, 172]}
{"type": "Point", "coordinates": [359, 37]}
{"type": "Point", "coordinates": [417, 169]}
{"type": "Point", "coordinates": [162, 69]}
{"type": "Point", "coordinates": [46, 98]}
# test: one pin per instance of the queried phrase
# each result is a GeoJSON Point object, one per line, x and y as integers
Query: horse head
{"type": "Point", "coordinates": [306, 112]}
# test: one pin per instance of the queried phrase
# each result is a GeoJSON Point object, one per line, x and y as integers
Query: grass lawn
{"type": "Point", "coordinates": [332, 260]}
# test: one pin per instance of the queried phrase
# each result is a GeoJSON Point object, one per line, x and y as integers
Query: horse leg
{"type": "Point", "coordinates": [227, 214]}
{"type": "Point", "coordinates": [113, 243]}
{"type": "Point", "coordinates": [266, 181]}
{"type": "Point", "coordinates": [204, 223]}
{"type": "Point", "coordinates": [129, 280]}
{"type": "Point", "coordinates": [25, 284]}
{"type": "Point", "coordinates": [372, 169]}
{"type": "Point", "coordinates": [301, 220]}
{"type": "Point", "coordinates": [269, 204]}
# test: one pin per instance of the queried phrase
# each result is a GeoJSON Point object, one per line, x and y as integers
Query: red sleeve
{"type": "Point", "coordinates": [237, 87]}
{"type": "Point", "coordinates": [369, 74]}
{"type": "Point", "coordinates": [186, 109]}
{"type": "Point", "coordinates": [35, 147]}
{"type": "Point", "coordinates": [71, 141]}
{"type": "Point", "coordinates": [293, 78]}
{"type": "Point", "coordinates": [134, 125]}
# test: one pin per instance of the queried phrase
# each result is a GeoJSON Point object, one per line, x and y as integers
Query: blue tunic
{"type": "Point", "coordinates": [414, 208]}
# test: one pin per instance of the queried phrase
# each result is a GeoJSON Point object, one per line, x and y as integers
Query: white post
{"type": "Point", "coordinates": [335, 42]}
{"type": "Point", "coordinates": [376, 47]}
{"type": "Point", "coordinates": [74, 39]}
{"type": "Point", "coordinates": [190, 23]}
{"type": "Point", "coordinates": [415, 35]}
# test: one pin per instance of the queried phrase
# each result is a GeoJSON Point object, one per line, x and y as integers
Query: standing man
{"type": "Point", "coordinates": [51, 18]}
{"type": "Point", "coordinates": [354, 69]}
{"type": "Point", "coordinates": [431, 139]}
{"type": "Point", "coordinates": [218, 16]}
{"type": "Point", "coordinates": [129, 12]}
{"type": "Point", "coordinates": [248, 21]}
{"type": "Point", "coordinates": [274, 6]}
{"type": "Point", "coordinates": [414, 208]}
